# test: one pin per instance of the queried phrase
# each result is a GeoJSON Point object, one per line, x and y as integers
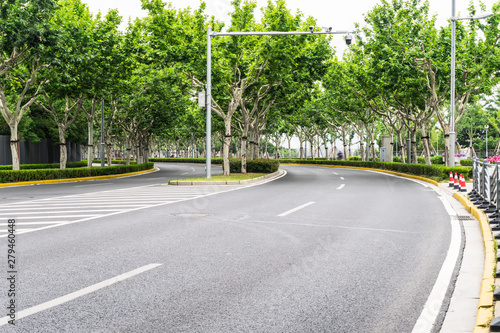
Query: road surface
{"type": "Point", "coordinates": [318, 250]}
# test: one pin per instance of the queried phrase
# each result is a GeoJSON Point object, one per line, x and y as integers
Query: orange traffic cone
{"type": "Point", "coordinates": [450, 184]}
{"type": "Point", "coordinates": [456, 185]}
{"type": "Point", "coordinates": [463, 187]}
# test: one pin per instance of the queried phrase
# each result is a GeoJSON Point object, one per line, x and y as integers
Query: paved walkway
{"type": "Point", "coordinates": [462, 311]}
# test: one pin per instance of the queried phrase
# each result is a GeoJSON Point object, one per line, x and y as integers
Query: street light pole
{"type": "Point", "coordinates": [452, 137]}
{"type": "Point", "coordinates": [486, 127]}
{"type": "Point", "coordinates": [102, 133]}
{"type": "Point", "coordinates": [451, 151]}
{"type": "Point", "coordinates": [208, 95]}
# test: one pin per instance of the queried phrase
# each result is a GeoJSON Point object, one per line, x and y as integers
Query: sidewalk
{"type": "Point", "coordinates": [463, 307]}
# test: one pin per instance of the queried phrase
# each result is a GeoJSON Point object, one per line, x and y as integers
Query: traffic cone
{"type": "Point", "coordinates": [463, 187]}
{"type": "Point", "coordinates": [450, 184]}
{"type": "Point", "coordinates": [456, 185]}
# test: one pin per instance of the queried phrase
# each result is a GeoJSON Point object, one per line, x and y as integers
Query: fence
{"type": "Point", "coordinates": [485, 186]}
{"type": "Point", "coordinates": [44, 151]}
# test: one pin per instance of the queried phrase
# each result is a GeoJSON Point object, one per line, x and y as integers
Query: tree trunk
{"type": "Point", "coordinates": [226, 146]}
{"type": "Point", "coordinates": [63, 152]}
{"type": "Point", "coordinates": [108, 153]}
{"type": "Point", "coordinates": [90, 143]}
{"type": "Point", "coordinates": [243, 154]}
{"type": "Point", "coordinates": [14, 148]}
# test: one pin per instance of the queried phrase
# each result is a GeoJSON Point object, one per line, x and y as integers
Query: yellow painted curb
{"type": "Point", "coordinates": [485, 306]}
{"type": "Point", "coordinates": [65, 180]}
{"type": "Point", "coordinates": [371, 169]}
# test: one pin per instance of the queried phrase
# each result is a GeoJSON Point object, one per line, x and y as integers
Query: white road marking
{"type": "Point", "coordinates": [93, 184]}
{"type": "Point", "coordinates": [340, 187]}
{"type": "Point", "coordinates": [77, 294]}
{"type": "Point", "coordinates": [296, 209]}
{"type": "Point", "coordinates": [342, 178]}
{"type": "Point", "coordinates": [179, 194]}
{"type": "Point", "coordinates": [335, 173]}
{"type": "Point", "coordinates": [185, 173]}
{"type": "Point", "coordinates": [65, 211]}
{"type": "Point", "coordinates": [431, 309]}
{"type": "Point", "coordinates": [37, 223]}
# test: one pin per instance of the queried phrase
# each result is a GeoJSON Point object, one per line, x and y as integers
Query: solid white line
{"type": "Point", "coordinates": [77, 294]}
{"type": "Point", "coordinates": [16, 230]}
{"type": "Point", "coordinates": [64, 206]}
{"type": "Point", "coordinates": [36, 223]}
{"type": "Point", "coordinates": [296, 209]}
{"type": "Point", "coordinates": [56, 216]}
{"type": "Point", "coordinates": [340, 187]}
{"type": "Point", "coordinates": [341, 178]}
{"type": "Point", "coordinates": [335, 173]}
{"type": "Point", "coordinates": [65, 211]}
{"type": "Point", "coordinates": [185, 173]}
{"type": "Point", "coordinates": [431, 309]}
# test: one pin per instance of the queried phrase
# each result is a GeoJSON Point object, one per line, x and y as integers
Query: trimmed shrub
{"type": "Point", "coordinates": [186, 160]}
{"type": "Point", "coordinates": [257, 166]}
{"type": "Point", "coordinates": [396, 159]}
{"type": "Point", "coordinates": [420, 160]}
{"type": "Point", "coordinates": [354, 158]}
{"type": "Point", "coordinates": [46, 166]}
{"type": "Point", "coordinates": [10, 176]}
{"type": "Point", "coordinates": [440, 172]}
{"type": "Point", "coordinates": [438, 159]}
{"type": "Point", "coordinates": [123, 162]}
{"type": "Point", "coordinates": [466, 162]}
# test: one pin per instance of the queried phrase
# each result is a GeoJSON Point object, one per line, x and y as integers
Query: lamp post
{"type": "Point", "coordinates": [451, 157]}
{"type": "Point", "coordinates": [486, 127]}
{"type": "Point", "coordinates": [210, 34]}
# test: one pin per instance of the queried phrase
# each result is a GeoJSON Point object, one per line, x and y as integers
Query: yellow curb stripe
{"type": "Point", "coordinates": [485, 307]}
{"type": "Point", "coordinates": [65, 180]}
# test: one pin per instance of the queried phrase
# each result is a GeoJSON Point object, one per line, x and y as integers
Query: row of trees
{"type": "Point", "coordinates": [58, 63]}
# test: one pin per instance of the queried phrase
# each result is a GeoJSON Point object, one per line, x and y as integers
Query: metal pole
{"type": "Point", "coordinates": [486, 141]}
{"type": "Point", "coordinates": [451, 157]}
{"type": "Point", "coordinates": [102, 133]}
{"type": "Point", "coordinates": [208, 103]}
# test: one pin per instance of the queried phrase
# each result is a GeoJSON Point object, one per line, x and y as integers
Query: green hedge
{"type": "Point", "coordinates": [420, 160]}
{"type": "Point", "coordinates": [354, 158]}
{"type": "Point", "coordinates": [186, 160]}
{"type": "Point", "coordinates": [10, 176]}
{"type": "Point", "coordinates": [257, 166]}
{"type": "Point", "coordinates": [438, 159]}
{"type": "Point", "coordinates": [466, 162]}
{"type": "Point", "coordinates": [439, 172]}
{"type": "Point", "coordinates": [396, 159]}
{"type": "Point", "coordinates": [46, 166]}
{"type": "Point", "coordinates": [123, 162]}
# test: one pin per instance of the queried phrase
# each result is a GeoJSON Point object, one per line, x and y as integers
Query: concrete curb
{"type": "Point", "coordinates": [67, 180]}
{"type": "Point", "coordinates": [223, 182]}
{"type": "Point", "coordinates": [485, 306]}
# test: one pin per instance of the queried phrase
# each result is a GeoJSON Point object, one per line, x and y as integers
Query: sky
{"type": "Point", "coordinates": [341, 15]}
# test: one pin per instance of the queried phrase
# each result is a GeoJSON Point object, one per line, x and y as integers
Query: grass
{"type": "Point", "coordinates": [233, 176]}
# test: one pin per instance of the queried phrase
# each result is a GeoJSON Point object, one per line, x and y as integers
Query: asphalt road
{"type": "Point", "coordinates": [360, 255]}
